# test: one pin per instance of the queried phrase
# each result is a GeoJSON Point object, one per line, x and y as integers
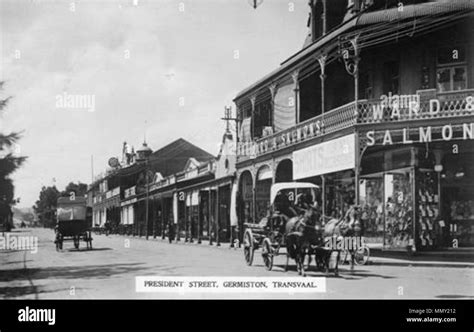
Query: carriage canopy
{"type": "Point", "coordinates": [284, 186]}
{"type": "Point", "coordinates": [71, 209]}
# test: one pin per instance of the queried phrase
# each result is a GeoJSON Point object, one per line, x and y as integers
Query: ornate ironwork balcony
{"type": "Point", "coordinates": [423, 105]}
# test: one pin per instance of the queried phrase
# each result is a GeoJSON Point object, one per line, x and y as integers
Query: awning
{"type": "Point", "coordinates": [415, 11]}
{"type": "Point", "coordinates": [289, 64]}
{"type": "Point", "coordinates": [371, 22]}
{"type": "Point", "coordinates": [211, 184]}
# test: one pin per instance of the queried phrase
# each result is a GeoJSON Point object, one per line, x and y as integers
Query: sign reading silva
{"type": "Point", "coordinates": [328, 157]}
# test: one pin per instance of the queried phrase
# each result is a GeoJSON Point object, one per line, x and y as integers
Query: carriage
{"type": "Point", "coordinates": [73, 222]}
{"type": "Point", "coordinates": [269, 233]}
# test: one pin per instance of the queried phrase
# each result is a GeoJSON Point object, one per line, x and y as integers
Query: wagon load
{"type": "Point", "coordinates": [73, 222]}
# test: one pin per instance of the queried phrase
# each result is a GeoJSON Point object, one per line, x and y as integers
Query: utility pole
{"type": "Point", "coordinates": [227, 118]}
{"type": "Point", "coordinates": [92, 168]}
{"type": "Point", "coordinates": [147, 194]}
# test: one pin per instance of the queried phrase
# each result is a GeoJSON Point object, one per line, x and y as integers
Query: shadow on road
{"type": "Point", "coordinates": [419, 264]}
{"type": "Point", "coordinates": [357, 274]}
{"type": "Point", "coordinates": [72, 272]}
{"type": "Point", "coordinates": [17, 262]}
{"type": "Point", "coordinates": [455, 297]}
{"type": "Point", "coordinates": [15, 292]}
{"type": "Point", "coordinates": [85, 249]}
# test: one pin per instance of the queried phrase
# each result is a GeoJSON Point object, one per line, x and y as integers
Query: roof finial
{"type": "Point", "coordinates": [144, 136]}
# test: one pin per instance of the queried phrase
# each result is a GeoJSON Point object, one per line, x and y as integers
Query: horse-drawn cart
{"type": "Point", "coordinates": [269, 233]}
{"type": "Point", "coordinates": [73, 222]}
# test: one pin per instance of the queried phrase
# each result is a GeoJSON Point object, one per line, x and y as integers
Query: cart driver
{"type": "Point", "coordinates": [283, 206]}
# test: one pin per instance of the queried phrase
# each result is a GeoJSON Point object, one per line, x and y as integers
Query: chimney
{"type": "Point", "coordinates": [318, 12]}
{"type": "Point", "coordinates": [356, 4]}
{"type": "Point", "coordinates": [312, 23]}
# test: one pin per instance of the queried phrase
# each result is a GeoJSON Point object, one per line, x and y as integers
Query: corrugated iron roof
{"type": "Point", "coordinates": [366, 18]}
{"type": "Point", "coordinates": [412, 11]}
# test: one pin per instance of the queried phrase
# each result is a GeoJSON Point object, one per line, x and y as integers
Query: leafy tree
{"type": "Point", "coordinates": [79, 189]}
{"type": "Point", "coordinates": [45, 206]}
{"type": "Point", "coordinates": [9, 162]}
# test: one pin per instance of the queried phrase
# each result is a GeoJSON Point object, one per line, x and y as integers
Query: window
{"type": "Point", "coordinates": [451, 73]}
{"type": "Point", "coordinates": [391, 76]}
{"type": "Point", "coordinates": [365, 88]}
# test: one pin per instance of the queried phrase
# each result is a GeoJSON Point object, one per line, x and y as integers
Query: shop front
{"type": "Point", "coordinates": [127, 216]}
{"type": "Point", "coordinates": [204, 209]}
{"type": "Point", "coordinates": [457, 192]}
{"type": "Point", "coordinates": [415, 184]}
{"type": "Point", "coordinates": [416, 190]}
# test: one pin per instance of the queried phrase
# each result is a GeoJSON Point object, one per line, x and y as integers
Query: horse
{"type": "Point", "coordinates": [321, 254]}
{"type": "Point", "coordinates": [348, 226]}
{"type": "Point", "coordinates": [301, 236]}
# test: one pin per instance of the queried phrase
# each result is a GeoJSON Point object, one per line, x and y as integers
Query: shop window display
{"type": "Point", "coordinates": [340, 193]}
{"type": "Point", "coordinates": [371, 201]}
{"type": "Point", "coordinates": [398, 209]}
{"type": "Point", "coordinates": [429, 225]}
{"type": "Point", "coordinates": [457, 185]}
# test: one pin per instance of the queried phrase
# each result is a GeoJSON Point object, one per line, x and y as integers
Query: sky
{"type": "Point", "coordinates": [161, 68]}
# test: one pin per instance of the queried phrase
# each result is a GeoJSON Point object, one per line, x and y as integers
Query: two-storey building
{"type": "Point", "coordinates": [378, 110]}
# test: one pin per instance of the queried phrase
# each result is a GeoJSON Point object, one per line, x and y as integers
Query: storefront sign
{"type": "Point", "coordinates": [327, 157]}
{"type": "Point", "coordinates": [131, 201]}
{"type": "Point", "coordinates": [408, 107]}
{"type": "Point", "coordinates": [420, 135]}
{"type": "Point", "coordinates": [289, 137]}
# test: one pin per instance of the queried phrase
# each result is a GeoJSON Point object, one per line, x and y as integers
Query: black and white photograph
{"type": "Point", "coordinates": [237, 149]}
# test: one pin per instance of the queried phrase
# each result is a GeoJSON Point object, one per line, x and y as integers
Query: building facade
{"type": "Point", "coordinates": [179, 191]}
{"type": "Point", "coordinates": [377, 109]}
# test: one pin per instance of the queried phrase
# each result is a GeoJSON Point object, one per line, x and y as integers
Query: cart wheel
{"type": "Point", "coordinates": [76, 242]}
{"type": "Point", "coordinates": [59, 242]}
{"type": "Point", "coordinates": [362, 255]}
{"type": "Point", "coordinates": [248, 246]}
{"type": "Point", "coordinates": [267, 254]}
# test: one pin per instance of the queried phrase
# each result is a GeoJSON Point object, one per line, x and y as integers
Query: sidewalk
{"type": "Point", "coordinates": [461, 258]}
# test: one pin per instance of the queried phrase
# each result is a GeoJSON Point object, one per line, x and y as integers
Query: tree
{"type": "Point", "coordinates": [45, 207]}
{"type": "Point", "coordinates": [9, 162]}
{"type": "Point", "coordinates": [79, 189]}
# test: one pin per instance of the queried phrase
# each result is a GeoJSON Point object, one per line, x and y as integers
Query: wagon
{"type": "Point", "coordinates": [269, 233]}
{"type": "Point", "coordinates": [73, 222]}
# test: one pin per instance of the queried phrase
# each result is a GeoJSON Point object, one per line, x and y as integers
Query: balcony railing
{"type": "Point", "coordinates": [332, 121]}
{"type": "Point", "coordinates": [424, 104]}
